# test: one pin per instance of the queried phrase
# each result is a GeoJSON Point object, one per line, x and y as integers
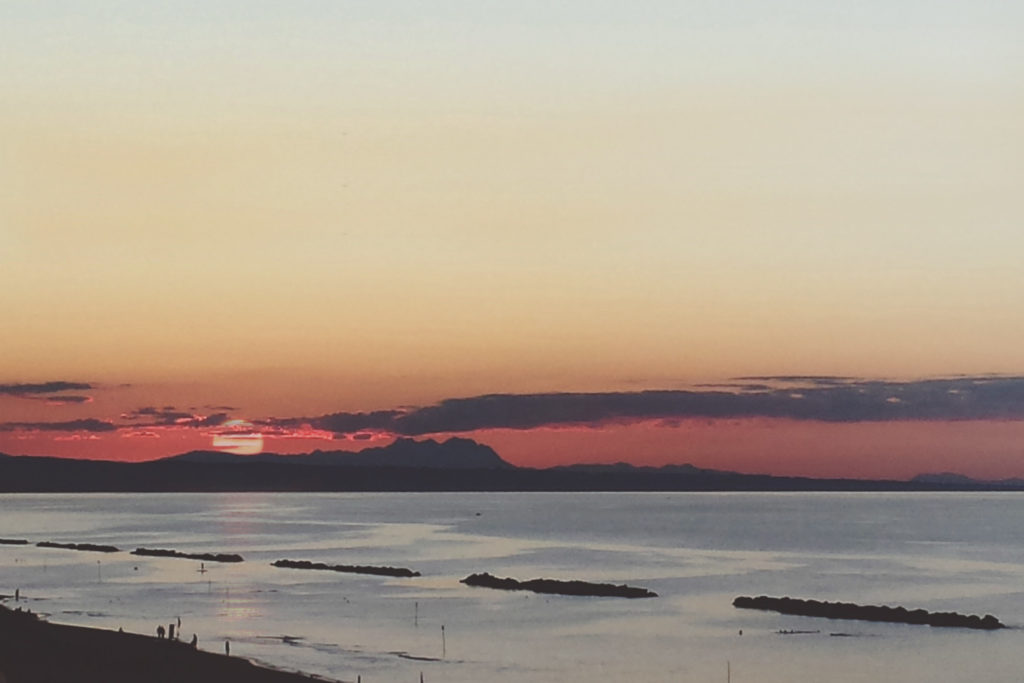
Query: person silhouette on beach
{"type": "Point", "coordinates": [227, 647]}
{"type": "Point", "coordinates": [160, 631]}
{"type": "Point", "coordinates": [195, 641]}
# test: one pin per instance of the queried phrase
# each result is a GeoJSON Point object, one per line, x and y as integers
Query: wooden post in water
{"type": "Point", "coordinates": [416, 615]}
{"type": "Point", "coordinates": [444, 646]}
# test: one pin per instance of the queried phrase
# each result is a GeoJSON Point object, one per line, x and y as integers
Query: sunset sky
{"type": "Point", "coordinates": [800, 222]}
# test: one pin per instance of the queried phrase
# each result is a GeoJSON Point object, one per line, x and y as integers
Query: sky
{"type": "Point", "coordinates": [224, 218]}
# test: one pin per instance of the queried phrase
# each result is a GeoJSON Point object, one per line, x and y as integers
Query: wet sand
{"type": "Point", "coordinates": [36, 651]}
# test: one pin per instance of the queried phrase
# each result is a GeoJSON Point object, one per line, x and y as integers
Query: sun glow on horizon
{"type": "Point", "coordinates": [234, 436]}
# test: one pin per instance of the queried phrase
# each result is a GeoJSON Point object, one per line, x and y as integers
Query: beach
{"type": "Point", "coordinates": [36, 651]}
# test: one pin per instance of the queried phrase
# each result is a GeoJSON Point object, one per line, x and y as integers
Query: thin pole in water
{"type": "Point", "coordinates": [99, 576]}
{"type": "Point", "coordinates": [444, 645]}
{"type": "Point", "coordinates": [728, 672]}
{"type": "Point", "coordinates": [416, 615]}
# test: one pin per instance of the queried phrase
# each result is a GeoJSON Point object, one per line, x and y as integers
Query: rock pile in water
{"type": "Point", "coordinates": [89, 547]}
{"type": "Point", "coordinates": [206, 557]}
{"type": "Point", "coordinates": [556, 587]}
{"type": "Point", "coordinates": [847, 610]}
{"type": "Point", "coordinates": [347, 568]}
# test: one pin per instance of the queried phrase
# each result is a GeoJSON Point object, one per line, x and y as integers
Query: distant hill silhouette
{"type": "Point", "coordinates": [409, 465]}
{"type": "Point", "coordinates": [954, 479]}
{"type": "Point", "coordinates": [455, 453]}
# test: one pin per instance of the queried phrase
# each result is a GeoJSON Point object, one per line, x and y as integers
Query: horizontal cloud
{"type": "Point", "coordinates": [825, 399]}
{"type": "Point", "coordinates": [828, 399]}
{"type": "Point", "coordinates": [48, 392]}
{"type": "Point", "coordinates": [41, 388]}
{"type": "Point", "coordinates": [344, 423]}
{"type": "Point", "coordinates": [214, 420]}
{"type": "Point", "coordinates": [165, 415]}
{"type": "Point", "coordinates": [821, 380]}
{"type": "Point", "coordinates": [64, 399]}
{"type": "Point", "coordinates": [168, 416]}
{"type": "Point", "coordinates": [87, 425]}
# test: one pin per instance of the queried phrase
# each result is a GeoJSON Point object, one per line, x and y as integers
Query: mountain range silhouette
{"type": "Point", "coordinates": [456, 464]}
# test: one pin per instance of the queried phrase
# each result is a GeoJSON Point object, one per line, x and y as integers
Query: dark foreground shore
{"type": "Point", "coordinates": [36, 651]}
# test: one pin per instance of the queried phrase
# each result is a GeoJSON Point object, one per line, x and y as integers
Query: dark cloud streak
{"type": "Point", "coordinates": [806, 398]}
{"type": "Point", "coordinates": [40, 388]}
{"type": "Point", "coordinates": [86, 425]}
{"type": "Point", "coordinates": [166, 415]}
{"type": "Point", "coordinates": [169, 416]}
{"type": "Point", "coordinates": [345, 423]}
{"type": "Point", "coordinates": [64, 399]}
{"type": "Point", "coordinates": [821, 380]}
{"type": "Point", "coordinates": [823, 399]}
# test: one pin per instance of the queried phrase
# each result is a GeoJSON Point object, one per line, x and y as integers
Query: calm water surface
{"type": "Point", "coordinates": [960, 552]}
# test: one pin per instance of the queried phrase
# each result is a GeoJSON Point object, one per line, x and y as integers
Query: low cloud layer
{"type": "Point", "coordinates": [812, 398]}
{"type": "Point", "coordinates": [67, 399]}
{"type": "Point", "coordinates": [47, 391]}
{"type": "Point", "coordinates": [40, 388]}
{"type": "Point", "coordinates": [825, 399]}
{"type": "Point", "coordinates": [169, 416]}
{"type": "Point", "coordinates": [86, 425]}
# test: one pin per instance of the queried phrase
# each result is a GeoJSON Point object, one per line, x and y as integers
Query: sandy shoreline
{"type": "Point", "coordinates": [36, 651]}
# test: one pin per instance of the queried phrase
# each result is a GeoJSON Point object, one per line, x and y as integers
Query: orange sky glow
{"type": "Point", "coordinates": [278, 213]}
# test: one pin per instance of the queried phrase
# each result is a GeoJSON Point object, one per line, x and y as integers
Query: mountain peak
{"type": "Point", "coordinates": [454, 453]}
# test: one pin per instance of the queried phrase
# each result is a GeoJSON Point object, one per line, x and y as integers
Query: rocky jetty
{"type": "Point", "coordinates": [13, 541]}
{"type": "Point", "coordinates": [205, 557]}
{"type": "Point", "coordinates": [88, 547]}
{"type": "Point", "coordinates": [346, 568]}
{"type": "Point", "coordinates": [556, 587]}
{"type": "Point", "coordinates": [846, 610]}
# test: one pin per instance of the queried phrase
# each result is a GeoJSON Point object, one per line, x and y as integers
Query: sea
{"type": "Point", "coordinates": [961, 552]}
